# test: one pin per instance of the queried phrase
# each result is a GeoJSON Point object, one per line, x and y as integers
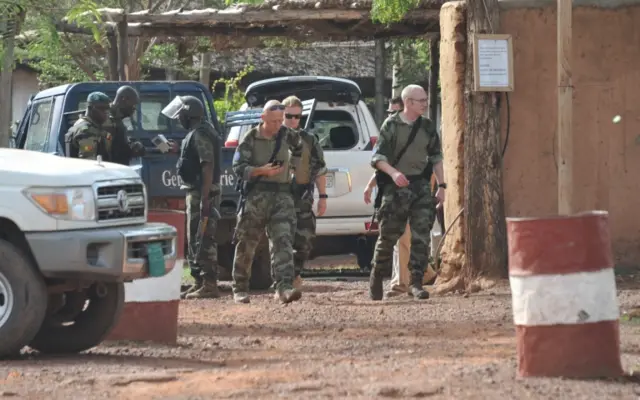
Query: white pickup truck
{"type": "Point", "coordinates": [335, 113]}
{"type": "Point", "coordinates": [71, 232]}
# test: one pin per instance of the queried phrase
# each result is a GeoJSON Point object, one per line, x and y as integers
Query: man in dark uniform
{"type": "Point", "coordinates": [406, 195]}
{"type": "Point", "coordinates": [263, 163]}
{"type": "Point", "coordinates": [121, 147]}
{"type": "Point", "coordinates": [87, 138]}
{"type": "Point", "coordinates": [199, 168]}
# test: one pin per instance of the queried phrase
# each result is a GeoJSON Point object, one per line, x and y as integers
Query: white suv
{"type": "Point", "coordinates": [347, 131]}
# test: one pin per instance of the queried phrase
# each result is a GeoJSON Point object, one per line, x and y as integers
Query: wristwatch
{"type": "Point", "coordinates": [442, 185]}
{"type": "Point", "coordinates": [323, 196]}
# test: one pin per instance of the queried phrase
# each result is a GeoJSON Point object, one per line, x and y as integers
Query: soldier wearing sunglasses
{"type": "Point", "coordinates": [310, 171]}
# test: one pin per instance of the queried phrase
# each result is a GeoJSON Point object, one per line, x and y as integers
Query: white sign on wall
{"type": "Point", "coordinates": [492, 63]}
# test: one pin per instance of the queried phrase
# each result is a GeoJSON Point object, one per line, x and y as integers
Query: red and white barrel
{"type": "Point", "coordinates": [151, 305]}
{"type": "Point", "coordinates": [563, 289]}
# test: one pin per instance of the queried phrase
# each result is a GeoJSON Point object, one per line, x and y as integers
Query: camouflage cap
{"type": "Point", "coordinates": [98, 97]}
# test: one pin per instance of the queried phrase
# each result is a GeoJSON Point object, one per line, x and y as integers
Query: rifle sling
{"type": "Point", "coordinates": [381, 177]}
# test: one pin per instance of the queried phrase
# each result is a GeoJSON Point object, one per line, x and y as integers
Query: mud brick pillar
{"type": "Point", "coordinates": [564, 296]}
{"type": "Point", "coordinates": [151, 309]}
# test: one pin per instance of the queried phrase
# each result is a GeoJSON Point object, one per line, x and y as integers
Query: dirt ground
{"type": "Point", "coordinates": [334, 343]}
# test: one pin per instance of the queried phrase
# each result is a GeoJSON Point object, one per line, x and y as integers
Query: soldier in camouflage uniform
{"type": "Point", "coordinates": [121, 147]}
{"type": "Point", "coordinates": [269, 202]}
{"type": "Point", "coordinates": [87, 137]}
{"type": "Point", "coordinates": [312, 169]}
{"type": "Point", "coordinates": [408, 197]}
{"type": "Point", "coordinates": [198, 166]}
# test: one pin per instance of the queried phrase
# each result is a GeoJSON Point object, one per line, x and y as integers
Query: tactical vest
{"type": "Point", "coordinates": [188, 165]}
{"type": "Point", "coordinates": [303, 172]}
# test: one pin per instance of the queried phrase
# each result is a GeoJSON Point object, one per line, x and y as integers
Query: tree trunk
{"type": "Point", "coordinates": [205, 69]}
{"type": "Point", "coordinates": [9, 29]}
{"type": "Point", "coordinates": [123, 50]}
{"type": "Point", "coordinates": [396, 88]}
{"type": "Point", "coordinates": [485, 228]}
{"type": "Point", "coordinates": [434, 69]}
{"type": "Point", "coordinates": [379, 82]}
{"type": "Point", "coordinates": [112, 57]}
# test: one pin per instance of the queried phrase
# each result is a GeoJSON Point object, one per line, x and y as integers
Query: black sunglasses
{"type": "Point", "coordinates": [292, 116]}
{"type": "Point", "coordinates": [277, 107]}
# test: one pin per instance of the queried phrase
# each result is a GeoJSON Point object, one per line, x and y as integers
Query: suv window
{"type": "Point", "coordinates": [151, 105]}
{"type": "Point", "coordinates": [335, 129]}
{"type": "Point", "coordinates": [39, 124]}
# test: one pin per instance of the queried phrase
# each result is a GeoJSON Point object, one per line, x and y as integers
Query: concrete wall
{"type": "Point", "coordinates": [606, 79]}
{"type": "Point", "coordinates": [25, 83]}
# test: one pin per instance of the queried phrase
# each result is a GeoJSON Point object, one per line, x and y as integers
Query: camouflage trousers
{"type": "Point", "coordinates": [305, 233]}
{"type": "Point", "coordinates": [204, 264]}
{"type": "Point", "coordinates": [274, 212]}
{"type": "Point", "coordinates": [413, 204]}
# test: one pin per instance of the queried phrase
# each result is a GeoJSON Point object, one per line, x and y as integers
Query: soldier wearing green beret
{"type": "Point", "coordinates": [87, 138]}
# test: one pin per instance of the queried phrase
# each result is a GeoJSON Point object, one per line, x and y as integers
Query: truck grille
{"type": "Point", "coordinates": [121, 201]}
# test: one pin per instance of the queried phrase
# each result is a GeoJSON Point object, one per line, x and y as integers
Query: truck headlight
{"type": "Point", "coordinates": [75, 204]}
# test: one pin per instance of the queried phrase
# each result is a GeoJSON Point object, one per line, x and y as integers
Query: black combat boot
{"type": "Point", "coordinates": [193, 288]}
{"type": "Point", "coordinates": [286, 293]}
{"type": "Point", "coordinates": [415, 288]}
{"type": "Point", "coordinates": [208, 290]}
{"type": "Point", "coordinates": [375, 284]}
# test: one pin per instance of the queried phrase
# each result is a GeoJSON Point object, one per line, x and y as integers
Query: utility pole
{"type": "Point", "coordinates": [565, 110]}
{"type": "Point", "coordinates": [379, 81]}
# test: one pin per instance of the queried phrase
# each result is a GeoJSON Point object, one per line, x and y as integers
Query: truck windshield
{"type": "Point", "coordinates": [151, 105]}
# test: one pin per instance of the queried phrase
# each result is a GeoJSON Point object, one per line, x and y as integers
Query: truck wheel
{"type": "Point", "coordinates": [23, 300]}
{"type": "Point", "coordinates": [365, 246]}
{"type": "Point", "coordinates": [261, 268]}
{"type": "Point", "coordinates": [84, 320]}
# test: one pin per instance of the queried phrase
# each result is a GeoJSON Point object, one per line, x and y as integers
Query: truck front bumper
{"type": "Point", "coordinates": [106, 254]}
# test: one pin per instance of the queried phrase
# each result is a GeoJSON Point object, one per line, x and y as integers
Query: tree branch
{"type": "Point", "coordinates": [66, 43]}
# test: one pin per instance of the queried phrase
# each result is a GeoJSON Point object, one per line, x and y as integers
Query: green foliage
{"type": "Point", "coordinates": [416, 60]}
{"type": "Point", "coordinates": [166, 56]}
{"type": "Point", "coordinates": [233, 96]}
{"type": "Point", "coordinates": [85, 14]}
{"type": "Point", "coordinates": [388, 11]}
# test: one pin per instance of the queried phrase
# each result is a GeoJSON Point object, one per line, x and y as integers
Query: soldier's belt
{"type": "Point", "coordinates": [272, 187]}
{"type": "Point", "coordinates": [416, 178]}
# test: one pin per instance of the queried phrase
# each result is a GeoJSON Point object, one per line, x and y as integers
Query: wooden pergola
{"type": "Point", "coordinates": [301, 20]}
{"type": "Point", "coordinates": [245, 25]}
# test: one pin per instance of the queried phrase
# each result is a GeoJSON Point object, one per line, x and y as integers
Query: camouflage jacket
{"type": "Point", "coordinates": [394, 134]}
{"type": "Point", "coordinates": [87, 139]}
{"type": "Point", "coordinates": [255, 150]}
